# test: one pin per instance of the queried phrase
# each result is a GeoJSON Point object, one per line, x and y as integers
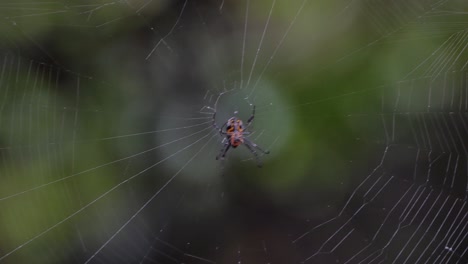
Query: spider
{"type": "Point", "coordinates": [235, 136]}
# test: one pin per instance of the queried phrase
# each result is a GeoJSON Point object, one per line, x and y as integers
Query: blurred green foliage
{"type": "Point", "coordinates": [76, 84]}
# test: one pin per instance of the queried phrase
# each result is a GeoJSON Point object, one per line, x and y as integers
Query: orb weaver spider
{"type": "Point", "coordinates": [235, 136]}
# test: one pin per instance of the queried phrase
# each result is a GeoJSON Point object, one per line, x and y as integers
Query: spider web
{"type": "Point", "coordinates": [107, 145]}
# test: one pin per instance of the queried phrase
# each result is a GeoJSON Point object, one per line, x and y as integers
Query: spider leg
{"type": "Point", "coordinates": [224, 149]}
{"type": "Point", "coordinates": [255, 146]}
{"type": "Point", "coordinates": [252, 117]}
{"type": "Point", "coordinates": [257, 158]}
{"type": "Point", "coordinates": [214, 122]}
{"type": "Point", "coordinates": [220, 129]}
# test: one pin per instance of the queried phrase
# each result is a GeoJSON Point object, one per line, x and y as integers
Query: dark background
{"type": "Point", "coordinates": [107, 148]}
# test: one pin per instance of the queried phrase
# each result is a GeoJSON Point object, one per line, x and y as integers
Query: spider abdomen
{"type": "Point", "coordinates": [235, 139]}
